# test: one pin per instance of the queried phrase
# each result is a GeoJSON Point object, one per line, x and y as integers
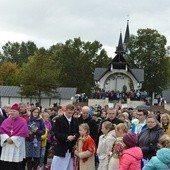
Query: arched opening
{"type": "Point", "coordinates": [118, 82]}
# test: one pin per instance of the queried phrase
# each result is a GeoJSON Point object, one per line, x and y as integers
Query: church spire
{"type": "Point", "coordinates": [127, 37]}
{"type": "Point", "coordinates": [119, 48]}
{"type": "Point", "coordinates": [127, 33]}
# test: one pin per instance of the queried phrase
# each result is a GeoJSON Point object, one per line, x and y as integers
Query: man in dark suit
{"type": "Point", "coordinates": [111, 115]}
{"type": "Point", "coordinates": [66, 133]}
{"type": "Point", "coordinates": [85, 118]}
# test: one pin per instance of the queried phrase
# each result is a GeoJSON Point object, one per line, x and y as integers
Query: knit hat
{"type": "Point", "coordinates": [15, 107]}
{"type": "Point", "coordinates": [130, 139]}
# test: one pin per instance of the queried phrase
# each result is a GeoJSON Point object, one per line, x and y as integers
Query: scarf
{"type": "Point", "coordinates": [14, 127]}
{"type": "Point", "coordinates": [33, 119]}
{"type": "Point", "coordinates": [89, 145]}
{"type": "Point", "coordinates": [165, 127]}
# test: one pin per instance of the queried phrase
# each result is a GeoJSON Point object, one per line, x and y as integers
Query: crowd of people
{"type": "Point", "coordinates": [119, 95]}
{"type": "Point", "coordinates": [83, 138]}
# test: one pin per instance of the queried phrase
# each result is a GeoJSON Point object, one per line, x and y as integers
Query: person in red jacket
{"type": "Point", "coordinates": [131, 158]}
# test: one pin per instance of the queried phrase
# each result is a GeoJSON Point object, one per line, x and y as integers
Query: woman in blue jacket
{"type": "Point", "coordinates": [159, 162]}
{"type": "Point", "coordinates": [162, 159]}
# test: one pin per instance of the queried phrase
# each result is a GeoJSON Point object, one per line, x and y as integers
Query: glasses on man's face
{"type": "Point", "coordinates": [111, 113]}
{"type": "Point", "coordinates": [139, 115]}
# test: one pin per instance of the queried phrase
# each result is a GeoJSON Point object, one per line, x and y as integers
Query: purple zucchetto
{"type": "Point", "coordinates": [15, 107]}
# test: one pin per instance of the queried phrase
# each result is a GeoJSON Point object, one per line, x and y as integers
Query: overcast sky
{"type": "Point", "coordinates": [47, 22]}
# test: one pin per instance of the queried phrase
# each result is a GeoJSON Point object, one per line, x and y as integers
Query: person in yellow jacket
{"type": "Point", "coordinates": [165, 123]}
{"type": "Point", "coordinates": [43, 147]}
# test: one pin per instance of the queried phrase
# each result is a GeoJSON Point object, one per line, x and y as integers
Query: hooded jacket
{"type": "Point", "coordinates": [130, 159]}
{"type": "Point", "coordinates": [159, 162]}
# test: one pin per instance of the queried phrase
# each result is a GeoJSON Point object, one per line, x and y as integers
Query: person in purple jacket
{"type": "Point", "coordinates": [33, 142]}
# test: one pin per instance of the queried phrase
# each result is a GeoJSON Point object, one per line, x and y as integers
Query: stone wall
{"type": "Point", "coordinates": [101, 102]}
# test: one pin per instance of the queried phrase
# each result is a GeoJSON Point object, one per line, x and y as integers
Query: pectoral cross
{"type": "Point", "coordinates": [12, 126]}
{"type": "Point", "coordinates": [11, 131]}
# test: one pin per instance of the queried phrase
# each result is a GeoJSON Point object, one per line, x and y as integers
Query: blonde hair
{"type": "Point", "coordinates": [121, 127]}
{"type": "Point", "coordinates": [85, 126]}
{"type": "Point", "coordinates": [126, 114]}
{"type": "Point", "coordinates": [108, 125]}
{"type": "Point", "coordinates": [121, 115]}
{"type": "Point", "coordinates": [164, 141]}
{"type": "Point", "coordinates": [165, 115]}
{"type": "Point", "coordinates": [44, 114]}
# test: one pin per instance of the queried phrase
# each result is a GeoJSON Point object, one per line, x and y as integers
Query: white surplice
{"type": "Point", "coordinates": [14, 152]}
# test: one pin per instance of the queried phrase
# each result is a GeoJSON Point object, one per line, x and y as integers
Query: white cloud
{"type": "Point", "coordinates": [12, 37]}
{"type": "Point", "coordinates": [47, 22]}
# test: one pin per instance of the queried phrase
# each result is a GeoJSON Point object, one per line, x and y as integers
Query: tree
{"type": "Point", "coordinates": [17, 53]}
{"type": "Point", "coordinates": [39, 75]}
{"type": "Point", "coordinates": [147, 51]}
{"type": "Point", "coordinates": [78, 59]}
{"type": "Point", "coordinates": [7, 74]}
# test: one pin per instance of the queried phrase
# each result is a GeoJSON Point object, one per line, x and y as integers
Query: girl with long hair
{"type": "Point", "coordinates": [85, 149]}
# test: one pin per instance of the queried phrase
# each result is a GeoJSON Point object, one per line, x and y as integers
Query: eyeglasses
{"type": "Point", "coordinates": [139, 115]}
{"type": "Point", "coordinates": [111, 113]}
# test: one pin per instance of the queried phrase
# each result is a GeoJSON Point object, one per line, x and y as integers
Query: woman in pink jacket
{"type": "Point", "coordinates": [131, 158]}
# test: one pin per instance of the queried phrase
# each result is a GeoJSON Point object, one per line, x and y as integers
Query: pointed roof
{"type": "Point", "coordinates": [127, 33]}
{"type": "Point", "coordinates": [137, 73]}
{"type": "Point", "coordinates": [119, 59]}
{"type": "Point", "coordinates": [119, 48]}
{"type": "Point", "coordinates": [118, 62]}
{"type": "Point", "coordinates": [98, 73]}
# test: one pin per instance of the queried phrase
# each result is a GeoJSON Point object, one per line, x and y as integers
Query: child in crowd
{"type": "Point", "coordinates": [48, 126]}
{"type": "Point", "coordinates": [85, 149]}
{"type": "Point", "coordinates": [131, 157]}
{"type": "Point", "coordinates": [43, 147]}
{"type": "Point", "coordinates": [162, 159]}
{"type": "Point", "coordinates": [105, 144]}
{"type": "Point", "coordinates": [121, 129]}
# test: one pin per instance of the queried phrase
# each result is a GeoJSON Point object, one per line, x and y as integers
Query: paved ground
{"type": "Point", "coordinates": [50, 160]}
